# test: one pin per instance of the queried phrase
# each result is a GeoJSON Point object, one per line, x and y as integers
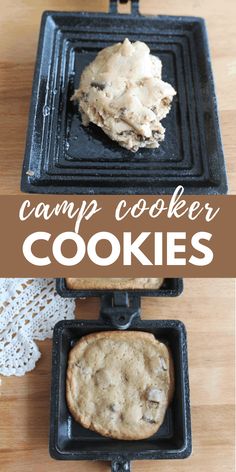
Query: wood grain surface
{"type": "Point", "coordinates": [207, 309]}
{"type": "Point", "coordinates": [19, 28]}
{"type": "Point", "coordinates": [206, 306]}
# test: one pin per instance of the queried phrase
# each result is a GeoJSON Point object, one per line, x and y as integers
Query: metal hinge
{"type": "Point", "coordinates": [134, 6]}
{"type": "Point", "coordinates": [120, 309]}
{"type": "Point", "coordinates": [120, 466]}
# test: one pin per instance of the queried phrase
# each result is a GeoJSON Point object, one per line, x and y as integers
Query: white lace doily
{"type": "Point", "coordinates": [29, 309]}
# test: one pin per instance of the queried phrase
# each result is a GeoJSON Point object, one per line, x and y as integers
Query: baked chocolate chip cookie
{"type": "Point", "coordinates": [119, 383]}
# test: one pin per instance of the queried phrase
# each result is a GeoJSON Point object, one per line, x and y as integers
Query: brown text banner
{"type": "Point", "coordinates": [118, 236]}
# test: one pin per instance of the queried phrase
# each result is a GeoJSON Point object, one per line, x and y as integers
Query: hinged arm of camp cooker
{"type": "Point", "coordinates": [120, 309]}
{"type": "Point", "coordinates": [120, 466]}
{"type": "Point", "coordinates": [134, 6]}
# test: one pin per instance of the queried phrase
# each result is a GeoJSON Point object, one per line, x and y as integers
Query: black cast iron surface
{"type": "Point", "coordinates": [70, 441]}
{"type": "Point", "coordinates": [171, 287]}
{"type": "Point", "coordinates": [64, 157]}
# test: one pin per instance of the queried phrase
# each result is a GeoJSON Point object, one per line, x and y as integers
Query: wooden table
{"type": "Point", "coordinates": [207, 309]}
{"type": "Point", "coordinates": [19, 27]}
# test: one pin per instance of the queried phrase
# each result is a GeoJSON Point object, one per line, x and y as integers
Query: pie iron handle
{"type": "Point", "coordinates": [120, 466]}
{"type": "Point", "coordinates": [134, 6]}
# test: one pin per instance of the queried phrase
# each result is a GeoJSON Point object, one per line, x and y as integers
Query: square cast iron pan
{"type": "Point", "coordinates": [63, 157]}
{"type": "Point", "coordinates": [171, 287]}
{"type": "Point", "coordinates": [70, 441]}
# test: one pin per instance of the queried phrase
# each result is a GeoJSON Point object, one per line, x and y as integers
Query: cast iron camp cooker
{"type": "Point", "coordinates": [70, 441]}
{"type": "Point", "coordinates": [171, 287]}
{"type": "Point", "coordinates": [64, 157]}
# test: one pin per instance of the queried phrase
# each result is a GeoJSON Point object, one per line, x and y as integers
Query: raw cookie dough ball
{"type": "Point", "coordinates": [121, 91]}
